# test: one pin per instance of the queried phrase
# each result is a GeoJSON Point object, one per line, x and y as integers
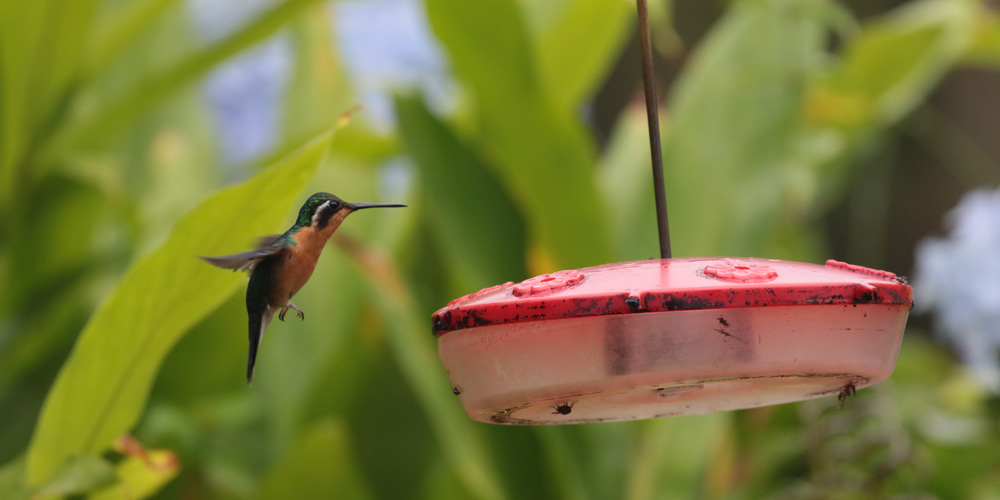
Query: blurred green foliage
{"type": "Point", "coordinates": [105, 146]}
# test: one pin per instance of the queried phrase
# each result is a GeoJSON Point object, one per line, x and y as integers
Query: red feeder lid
{"type": "Point", "coordinates": [672, 285]}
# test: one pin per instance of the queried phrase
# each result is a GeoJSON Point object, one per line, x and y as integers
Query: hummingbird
{"type": "Point", "coordinates": [283, 264]}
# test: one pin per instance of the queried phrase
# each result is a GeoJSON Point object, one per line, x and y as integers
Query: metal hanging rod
{"type": "Point", "coordinates": [652, 115]}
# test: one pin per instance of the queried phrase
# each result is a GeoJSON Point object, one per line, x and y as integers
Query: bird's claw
{"type": "Point", "coordinates": [284, 311]}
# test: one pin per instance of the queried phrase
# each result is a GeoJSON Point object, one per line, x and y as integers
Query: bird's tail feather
{"type": "Point", "coordinates": [258, 323]}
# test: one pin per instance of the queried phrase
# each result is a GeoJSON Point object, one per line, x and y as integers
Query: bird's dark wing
{"type": "Point", "coordinates": [244, 261]}
{"type": "Point", "coordinates": [269, 240]}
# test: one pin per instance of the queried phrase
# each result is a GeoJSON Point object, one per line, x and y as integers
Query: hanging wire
{"type": "Point", "coordinates": [654, 130]}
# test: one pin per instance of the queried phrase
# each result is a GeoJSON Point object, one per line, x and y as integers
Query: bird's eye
{"type": "Point", "coordinates": [335, 205]}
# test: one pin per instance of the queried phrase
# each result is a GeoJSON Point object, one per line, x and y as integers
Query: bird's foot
{"type": "Point", "coordinates": [284, 310]}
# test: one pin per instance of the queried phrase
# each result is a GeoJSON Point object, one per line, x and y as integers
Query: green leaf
{"type": "Point", "coordinates": [892, 65]}
{"type": "Point", "coordinates": [130, 23]}
{"type": "Point", "coordinates": [543, 153]}
{"type": "Point", "coordinates": [318, 87]}
{"type": "Point", "coordinates": [625, 178]}
{"type": "Point", "coordinates": [412, 347]}
{"type": "Point", "coordinates": [565, 457]}
{"type": "Point", "coordinates": [735, 125]}
{"type": "Point", "coordinates": [985, 47]}
{"type": "Point", "coordinates": [153, 90]}
{"type": "Point", "coordinates": [320, 463]}
{"type": "Point", "coordinates": [65, 34]}
{"type": "Point", "coordinates": [17, 115]}
{"type": "Point", "coordinates": [658, 468]}
{"type": "Point", "coordinates": [577, 48]}
{"type": "Point", "coordinates": [461, 194]}
{"type": "Point", "coordinates": [12, 479]}
{"type": "Point", "coordinates": [885, 72]}
{"type": "Point", "coordinates": [102, 388]}
{"type": "Point", "coordinates": [40, 51]}
{"type": "Point", "coordinates": [80, 474]}
{"type": "Point", "coordinates": [441, 483]}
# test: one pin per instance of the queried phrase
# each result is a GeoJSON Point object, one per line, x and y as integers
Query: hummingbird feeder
{"type": "Point", "coordinates": [669, 336]}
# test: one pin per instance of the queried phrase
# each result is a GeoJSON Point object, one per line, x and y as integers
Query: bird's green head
{"type": "Point", "coordinates": [321, 207]}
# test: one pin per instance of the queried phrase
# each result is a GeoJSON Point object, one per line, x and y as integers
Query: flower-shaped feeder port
{"type": "Point", "coordinates": [667, 337]}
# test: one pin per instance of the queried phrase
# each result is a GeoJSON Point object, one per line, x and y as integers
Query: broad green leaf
{"type": "Point", "coordinates": [887, 70]}
{"type": "Point", "coordinates": [892, 65]}
{"type": "Point", "coordinates": [12, 479]}
{"type": "Point", "coordinates": [462, 193]}
{"type": "Point", "coordinates": [102, 388]}
{"type": "Point", "coordinates": [489, 48]}
{"type": "Point", "coordinates": [985, 48]}
{"type": "Point", "coordinates": [319, 464]}
{"type": "Point", "coordinates": [22, 28]}
{"type": "Point", "coordinates": [735, 126]}
{"type": "Point", "coordinates": [564, 456]}
{"type": "Point", "coordinates": [40, 47]}
{"type": "Point", "coordinates": [543, 154]}
{"type": "Point", "coordinates": [318, 88]}
{"type": "Point", "coordinates": [441, 483]}
{"type": "Point", "coordinates": [55, 256]}
{"type": "Point", "coordinates": [36, 340]}
{"type": "Point", "coordinates": [626, 181]}
{"type": "Point", "coordinates": [56, 64]}
{"type": "Point", "coordinates": [588, 461]}
{"type": "Point", "coordinates": [413, 348]}
{"type": "Point", "coordinates": [658, 468]}
{"type": "Point", "coordinates": [606, 459]}
{"type": "Point", "coordinates": [81, 474]}
{"type": "Point", "coordinates": [579, 45]}
{"type": "Point", "coordinates": [153, 90]}
{"type": "Point", "coordinates": [125, 26]}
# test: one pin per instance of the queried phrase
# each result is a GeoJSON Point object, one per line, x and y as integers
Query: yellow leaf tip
{"type": "Point", "coordinates": [345, 117]}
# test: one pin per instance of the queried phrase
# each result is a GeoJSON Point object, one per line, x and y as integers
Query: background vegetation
{"type": "Point", "coordinates": [785, 126]}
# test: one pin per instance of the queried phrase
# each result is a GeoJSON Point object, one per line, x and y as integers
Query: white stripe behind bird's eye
{"type": "Point", "coordinates": [319, 210]}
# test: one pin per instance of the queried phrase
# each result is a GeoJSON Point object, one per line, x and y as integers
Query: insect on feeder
{"type": "Point", "coordinates": [669, 336]}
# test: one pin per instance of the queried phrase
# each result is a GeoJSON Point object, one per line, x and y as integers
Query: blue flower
{"type": "Point", "coordinates": [958, 277]}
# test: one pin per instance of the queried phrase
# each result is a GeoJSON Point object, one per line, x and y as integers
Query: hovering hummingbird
{"type": "Point", "coordinates": [283, 264]}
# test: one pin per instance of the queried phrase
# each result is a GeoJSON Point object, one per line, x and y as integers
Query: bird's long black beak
{"type": "Point", "coordinates": [360, 206]}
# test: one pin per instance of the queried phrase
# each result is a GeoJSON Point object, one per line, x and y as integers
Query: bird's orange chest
{"type": "Point", "coordinates": [299, 261]}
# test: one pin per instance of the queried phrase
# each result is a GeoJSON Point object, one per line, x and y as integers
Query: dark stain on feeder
{"type": "Point", "coordinates": [686, 302]}
{"type": "Point", "coordinates": [439, 321]}
{"type": "Point", "coordinates": [724, 332]}
{"type": "Point", "coordinates": [616, 345]}
{"type": "Point", "coordinates": [723, 322]}
{"type": "Point", "coordinates": [848, 390]}
{"type": "Point", "coordinates": [666, 392]}
{"type": "Point", "coordinates": [867, 297]}
{"type": "Point", "coordinates": [632, 303]}
{"type": "Point", "coordinates": [500, 417]}
{"type": "Point", "coordinates": [563, 408]}
{"type": "Point", "coordinates": [506, 416]}
{"type": "Point", "coordinates": [854, 381]}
